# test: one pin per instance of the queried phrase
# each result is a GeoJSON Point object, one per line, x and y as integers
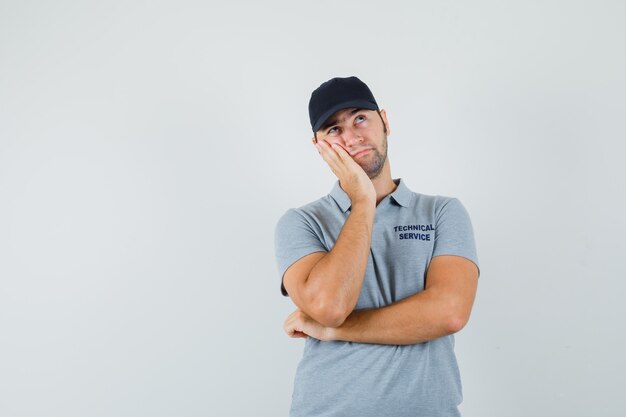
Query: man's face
{"type": "Point", "coordinates": [358, 130]}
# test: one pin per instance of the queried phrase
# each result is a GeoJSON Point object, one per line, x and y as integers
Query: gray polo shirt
{"type": "Point", "coordinates": [343, 379]}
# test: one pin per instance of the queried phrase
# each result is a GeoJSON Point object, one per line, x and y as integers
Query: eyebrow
{"type": "Point", "coordinates": [333, 121]}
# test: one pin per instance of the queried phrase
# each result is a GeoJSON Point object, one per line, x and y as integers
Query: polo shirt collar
{"type": "Point", "coordinates": [401, 195]}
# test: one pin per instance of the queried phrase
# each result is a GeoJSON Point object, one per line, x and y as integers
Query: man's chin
{"type": "Point", "coordinates": [372, 173]}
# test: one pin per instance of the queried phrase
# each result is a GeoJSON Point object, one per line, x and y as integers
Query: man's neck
{"type": "Point", "coordinates": [384, 184]}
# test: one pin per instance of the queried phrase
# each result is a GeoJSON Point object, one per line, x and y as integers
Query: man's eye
{"type": "Point", "coordinates": [359, 117]}
{"type": "Point", "coordinates": [332, 130]}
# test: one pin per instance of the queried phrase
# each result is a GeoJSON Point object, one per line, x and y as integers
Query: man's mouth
{"type": "Point", "coordinates": [361, 152]}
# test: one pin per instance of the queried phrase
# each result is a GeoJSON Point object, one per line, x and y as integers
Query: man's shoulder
{"type": "Point", "coordinates": [312, 211]}
{"type": "Point", "coordinates": [324, 203]}
{"type": "Point", "coordinates": [434, 201]}
{"type": "Point", "coordinates": [320, 206]}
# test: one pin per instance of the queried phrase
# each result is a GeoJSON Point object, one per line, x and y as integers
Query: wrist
{"type": "Point", "coordinates": [342, 332]}
{"type": "Point", "coordinates": [331, 334]}
{"type": "Point", "coordinates": [364, 204]}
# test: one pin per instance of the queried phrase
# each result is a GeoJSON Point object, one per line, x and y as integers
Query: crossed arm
{"type": "Point", "coordinates": [441, 309]}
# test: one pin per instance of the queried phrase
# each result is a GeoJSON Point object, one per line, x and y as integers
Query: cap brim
{"type": "Point", "coordinates": [361, 104]}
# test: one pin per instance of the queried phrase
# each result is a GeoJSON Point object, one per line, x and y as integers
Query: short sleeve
{"type": "Point", "coordinates": [454, 234]}
{"type": "Point", "coordinates": [294, 237]}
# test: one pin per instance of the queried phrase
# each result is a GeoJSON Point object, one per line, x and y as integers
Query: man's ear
{"type": "Point", "coordinates": [383, 116]}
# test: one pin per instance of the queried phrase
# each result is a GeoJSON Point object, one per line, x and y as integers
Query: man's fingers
{"type": "Point", "coordinates": [292, 330]}
{"type": "Point", "coordinates": [288, 329]}
{"type": "Point", "coordinates": [290, 324]}
{"type": "Point", "coordinates": [332, 151]}
{"type": "Point", "coordinates": [330, 156]}
{"type": "Point", "coordinates": [340, 151]}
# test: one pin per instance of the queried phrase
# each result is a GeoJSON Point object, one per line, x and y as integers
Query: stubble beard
{"type": "Point", "coordinates": [375, 162]}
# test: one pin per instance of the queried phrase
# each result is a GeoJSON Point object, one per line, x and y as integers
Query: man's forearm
{"type": "Point", "coordinates": [335, 282]}
{"type": "Point", "coordinates": [418, 318]}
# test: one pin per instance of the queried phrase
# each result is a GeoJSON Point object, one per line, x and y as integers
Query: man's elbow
{"type": "Point", "coordinates": [334, 321]}
{"type": "Point", "coordinates": [328, 314]}
{"type": "Point", "coordinates": [456, 321]}
{"type": "Point", "coordinates": [454, 313]}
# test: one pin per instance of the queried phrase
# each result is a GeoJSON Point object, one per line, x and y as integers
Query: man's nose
{"type": "Point", "coordinates": [350, 136]}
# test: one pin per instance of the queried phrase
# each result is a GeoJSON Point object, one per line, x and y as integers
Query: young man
{"type": "Point", "coordinates": [382, 276]}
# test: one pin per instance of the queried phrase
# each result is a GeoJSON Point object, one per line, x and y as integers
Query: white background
{"type": "Point", "coordinates": [147, 150]}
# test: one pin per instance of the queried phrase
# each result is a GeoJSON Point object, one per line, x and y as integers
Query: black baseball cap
{"type": "Point", "coordinates": [336, 94]}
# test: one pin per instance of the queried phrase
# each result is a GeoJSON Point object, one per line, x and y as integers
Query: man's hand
{"type": "Point", "coordinates": [300, 324]}
{"type": "Point", "coordinates": [353, 179]}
